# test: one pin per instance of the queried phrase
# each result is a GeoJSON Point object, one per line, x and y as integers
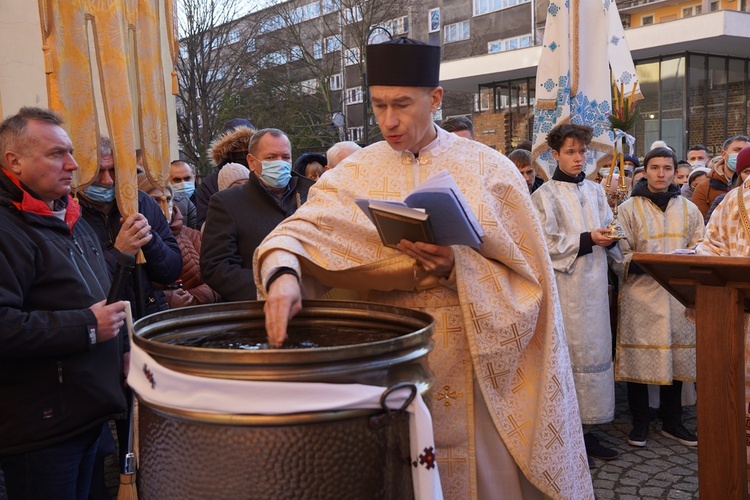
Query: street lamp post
{"type": "Point", "coordinates": [371, 39]}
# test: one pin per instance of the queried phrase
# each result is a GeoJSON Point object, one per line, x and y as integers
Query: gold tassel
{"type": "Point", "coordinates": [175, 83]}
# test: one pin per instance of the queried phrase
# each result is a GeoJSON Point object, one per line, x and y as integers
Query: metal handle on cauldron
{"type": "Point", "coordinates": [383, 418]}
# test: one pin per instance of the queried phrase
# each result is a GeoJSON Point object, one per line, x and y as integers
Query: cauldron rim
{"type": "Point", "coordinates": [153, 325]}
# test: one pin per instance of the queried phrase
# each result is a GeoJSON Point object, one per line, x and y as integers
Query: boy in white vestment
{"type": "Point", "coordinates": [655, 343]}
{"type": "Point", "coordinates": [574, 213]}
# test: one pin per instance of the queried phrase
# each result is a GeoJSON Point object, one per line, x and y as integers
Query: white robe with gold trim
{"type": "Point", "coordinates": [566, 210]}
{"type": "Point", "coordinates": [655, 343]}
{"type": "Point", "coordinates": [497, 320]}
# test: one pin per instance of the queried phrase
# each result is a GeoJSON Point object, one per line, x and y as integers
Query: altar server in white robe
{"type": "Point", "coordinates": [655, 342]}
{"type": "Point", "coordinates": [574, 213]}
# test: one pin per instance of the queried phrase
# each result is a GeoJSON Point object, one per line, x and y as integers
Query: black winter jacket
{"type": "Point", "coordinates": [54, 383]}
{"type": "Point", "coordinates": [163, 257]}
{"type": "Point", "coordinates": [239, 218]}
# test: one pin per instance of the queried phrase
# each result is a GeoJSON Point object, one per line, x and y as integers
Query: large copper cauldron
{"type": "Point", "coordinates": [345, 454]}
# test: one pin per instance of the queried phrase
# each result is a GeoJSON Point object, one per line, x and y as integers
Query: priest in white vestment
{"type": "Point", "coordinates": [728, 234]}
{"type": "Point", "coordinates": [574, 213]}
{"type": "Point", "coordinates": [655, 342]}
{"type": "Point", "coordinates": [503, 402]}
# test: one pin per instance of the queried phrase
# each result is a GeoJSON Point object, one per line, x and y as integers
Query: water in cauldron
{"type": "Point", "coordinates": [302, 337]}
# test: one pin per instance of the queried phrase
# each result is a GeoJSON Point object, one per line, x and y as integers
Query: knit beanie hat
{"type": "Point", "coordinates": [743, 160]}
{"type": "Point", "coordinates": [231, 173]}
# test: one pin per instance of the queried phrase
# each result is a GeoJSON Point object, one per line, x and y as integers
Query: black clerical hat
{"type": "Point", "coordinates": [403, 62]}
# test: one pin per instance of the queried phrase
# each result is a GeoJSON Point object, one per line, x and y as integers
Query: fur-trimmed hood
{"type": "Point", "coordinates": [233, 141]}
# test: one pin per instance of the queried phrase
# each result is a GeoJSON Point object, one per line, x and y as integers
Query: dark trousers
{"type": "Point", "coordinates": [670, 409]}
{"type": "Point", "coordinates": [61, 471]}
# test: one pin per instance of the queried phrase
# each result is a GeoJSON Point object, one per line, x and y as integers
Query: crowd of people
{"type": "Point", "coordinates": [523, 365]}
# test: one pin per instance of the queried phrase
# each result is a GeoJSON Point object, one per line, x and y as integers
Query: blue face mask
{"type": "Point", "coordinates": [276, 173]}
{"type": "Point", "coordinates": [732, 162]}
{"type": "Point", "coordinates": [100, 193]}
{"type": "Point", "coordinates": [184, 187]}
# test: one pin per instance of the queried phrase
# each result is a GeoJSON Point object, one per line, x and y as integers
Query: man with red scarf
{"type": "Point", "coordinates": [60, 352]}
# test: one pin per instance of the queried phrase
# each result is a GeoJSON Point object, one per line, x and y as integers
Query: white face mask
{"type": "Point", "coordinates": [698, 164]}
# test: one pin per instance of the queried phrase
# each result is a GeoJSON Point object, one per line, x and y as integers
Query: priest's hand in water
{"type": "Point", "coordinates": [283, 302]}
{"type": "Point", "coordinates": [434, 259]}
{"type": "Point", "coordinates": [599, 237]}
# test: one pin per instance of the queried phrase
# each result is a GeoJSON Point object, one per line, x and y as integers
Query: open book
{"type": "Point", "coordinates": [435, 212]}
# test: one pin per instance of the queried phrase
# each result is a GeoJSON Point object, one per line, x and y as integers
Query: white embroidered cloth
{"type": "Point", "coordinates": [154, 383]}
{"type": "Point", "coordinates": [583, 39]}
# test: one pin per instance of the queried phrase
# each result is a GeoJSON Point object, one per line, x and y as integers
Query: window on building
{"type": "Point", "coordinates": [275, 58]}
{"type": "Point", "coordinates": [354, 95]}
{"type": "Point", "coordinates": [329, 6]}
{"type": "Point", "coordinates": [318, 49]}
{"type": "Point", "coordinates": [687, 11]}
{"type": "Point", "coordinates": [332, 44]}
{"type": "Point", "coordinates": [233, 36]}
{"type": "Point", "coordinates": [305, 13]}
{"type": "Point", "coordinates": [351, 56]}
{"type": "Point", "coordinates": [715, 6]}
{"type": "Point", "coordinates": [646, 20]}
{"type": "Point", "coordinates": [482, 100]}
{"type": "Point", "coordinates": [698, 9]}
{"type": "Point", "coordinates": [438, 114]}
{"type": "Point", "coordinates": [336, 82]}
{"type": "Point", "coordinates": [487, 6]}
{"type": "Point", "coordinates": [250, 44]}
{"type": "Point", "coordinates": [397, 26]}
{"type": "Point", "coordinates": [519, 42]}
{"type": "Point", "coordinates": [456, 31]}
{"type": "Point", "coordinates": [271, 24]}
{"type": "Point", "coordinates": [353, 14]}
{"type": "Point", "coordinates": [434, 18]}
{"type": "Point", "coordinates": [309, 86]}
{"type": "Point", "coordinates": [355, 133]}
{"type": "Point", "coordinates": [295, 53]}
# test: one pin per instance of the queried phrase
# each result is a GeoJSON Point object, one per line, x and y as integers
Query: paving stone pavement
{"type": "Point", "coordinates": [664, 469]}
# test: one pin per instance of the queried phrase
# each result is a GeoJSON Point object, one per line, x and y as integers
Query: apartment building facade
{"type": "Point", "coordinates": [691, 56]}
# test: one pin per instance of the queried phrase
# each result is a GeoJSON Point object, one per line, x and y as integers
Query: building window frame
{"type": "Point", "coordinates": [507, 44]}
{"type": "Point", "coordinates": [336, 82]}
{"type": "Point", "coordinates": [647, 20]}
{"type": "Point", "coordinates": [433, 20]}
{"type": "Point", "coordinates": [354, 95]}
{"type": "Point", "coordinates": [482, 7]}
{"type": "Point", "coordinates": [457, 32]}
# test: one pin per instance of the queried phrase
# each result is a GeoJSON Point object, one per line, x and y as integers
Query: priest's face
{"type": "Point", "coordinates": [659, 173]}
{"type": "Point", "coordinates": [572, 156]}
{"type": "Point", "coordinates": [404, 115]}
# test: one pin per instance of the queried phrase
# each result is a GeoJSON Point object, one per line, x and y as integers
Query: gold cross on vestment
{"type": "Point", "coordinates": [355, 167]}
{"type": "Point", "coordinates": [494, 272]}
{"type": "Point", "coordinates": [492, 376]}
{"type": "Point", "coordinates": [558, 388]}
{"type": "Point", "coordinates": [450, 460]}
{"type": "Point", "coordinates": [375, 240]}
{"type": "Point", "coordinates": [518, 336]}
{"type": "Point", "coordinates": [476, 319]}
{"type": "Point", "coordinates": [522, 245]}
{"type": "Point", "coordinates": [518, 429]}
{"type": "Point", "coordinates": [444, 330]}
{"type": "Point", "coordinates": [481, 163]}
{"type": "Point", "coordinates": [556, 437]}
{"type": "Point", "coordinates": [385, 193]}
{"type": "Point", "coordinates": [323, 185]}
{"type": "Point", "coordinates": [552, 480]}
{"type": "Point", "coordinates": [446, 396]}
{"type": "Point", "coordinates": [525, 383]}
{"type": "Point", "coordinates": [321, 225]}
{"type": "Point", "coordinates": [347, 255]}
{"type": "Point", "coordinates": [505, 197]}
